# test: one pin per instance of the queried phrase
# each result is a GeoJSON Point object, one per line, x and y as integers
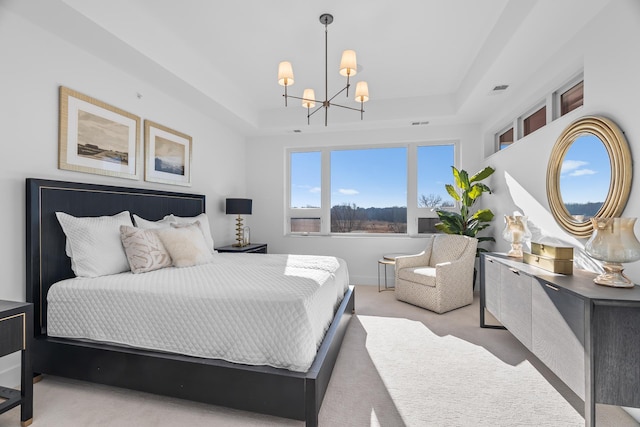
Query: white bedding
{"type": "Point", "coordinates": [253, 309]}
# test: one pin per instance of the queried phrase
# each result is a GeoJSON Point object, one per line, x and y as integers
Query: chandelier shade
{"type": "Point", "coordinates": [348, 63]}
{"type": "Point", "coordinates": [348, 68]}
{"type": "Point", "coordinates": [308, 98]}
{"type": "Point", "coordinates": [285, 74]}
{"type": "Point", "coordinates": [362, 92]}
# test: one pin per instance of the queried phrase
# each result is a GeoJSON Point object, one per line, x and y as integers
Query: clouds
{"type": "Point", "coordinates": [308, 188]}
{"type": "Point", "coordinates": [575, 168]}
{"type": "Point", "coordinates": [348, 191]}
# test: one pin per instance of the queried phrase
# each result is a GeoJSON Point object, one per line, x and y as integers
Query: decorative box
{"type": "Point", "coordinates": [556, 259]}
{"type": "Point", "coordinates": [556, 252]}
{"type": "Point", "coordinates": [562, 266]}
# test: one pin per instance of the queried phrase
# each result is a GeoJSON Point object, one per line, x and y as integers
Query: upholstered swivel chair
{"type": "Point", "coordinates": [440, 278]}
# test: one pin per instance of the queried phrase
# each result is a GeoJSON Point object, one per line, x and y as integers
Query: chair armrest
{"type": "Point", "coordinates": [455, 273]}
{"type": "Point", "coordinates": [417, 260]}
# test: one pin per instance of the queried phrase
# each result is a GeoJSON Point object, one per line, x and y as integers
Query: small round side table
{"type": "Point", "coordinates": [388, 259]}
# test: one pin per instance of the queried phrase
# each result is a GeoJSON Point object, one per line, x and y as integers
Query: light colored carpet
{"type": "Point", "coordinates": [399, 366]}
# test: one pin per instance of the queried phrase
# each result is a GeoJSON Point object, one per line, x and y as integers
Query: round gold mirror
{"type": "Point", "coordinates": [589, 174]}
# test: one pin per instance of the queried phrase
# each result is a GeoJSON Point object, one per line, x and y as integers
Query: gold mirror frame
{"type": "Point", "coordinates": [621, 171]}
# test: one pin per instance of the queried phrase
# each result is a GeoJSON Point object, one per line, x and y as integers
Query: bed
{"type": "Point", "coordinates": [265, 389]}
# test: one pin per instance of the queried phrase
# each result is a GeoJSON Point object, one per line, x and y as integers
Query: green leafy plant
{"type": "Point", "coordinates": [467, 191]}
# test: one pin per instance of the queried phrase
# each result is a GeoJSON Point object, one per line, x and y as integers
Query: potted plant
{"type": "Point", "coordinates": [467, 191]}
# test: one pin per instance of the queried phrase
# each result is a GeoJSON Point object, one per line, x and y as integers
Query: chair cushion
{"type": "Point", "coordinates": [422, 275]}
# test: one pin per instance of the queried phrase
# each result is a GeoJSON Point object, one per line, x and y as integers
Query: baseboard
{"type": "Point", "coordinates": [634, 412]}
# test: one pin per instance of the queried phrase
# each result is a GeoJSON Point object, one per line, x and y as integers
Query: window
{"type": "Point", "coordinates": [305, 192]}
{"type": "Point", "coordinates": [367, 190]}
{"type": "Point", "coordinates": [563, 100]}
{"type": "Point", "coordinates": [434, 171]}
{"type": "Point", "coordinates": [305, 225]}
{"type": "Point", "coordinates": [506, 139]}
{"type": "Point", "coordinates": [572, 98]}
{"type": "Point", "coordinates": [306, 180]}
{"type": "Point", "coordinates": [535, 121]}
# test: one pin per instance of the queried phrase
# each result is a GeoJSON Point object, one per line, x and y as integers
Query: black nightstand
{"type": "Point", "coordinates": [16, 332]}
{"type": "Point", "coordinates": [258, 248]}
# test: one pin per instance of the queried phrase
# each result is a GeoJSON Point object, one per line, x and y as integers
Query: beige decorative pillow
{"type": "Point", "coordinates": [186, 245]}
{"type": "Point", "coordinates": [144, 249]}
{"type": "Point", "coordinates": [203, 219]}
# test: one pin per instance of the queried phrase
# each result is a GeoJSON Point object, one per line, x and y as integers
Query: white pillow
{"type": "Point", "coordinates": [147, 225]}
{"type": "Point", "coordinates": [94, 245]}
{"type": "Point", "coordinates": [144, 249]}
{"type": "Point", "coordinates": [204, 226]}
{"type": "Point", "coordinates": [186, 245]}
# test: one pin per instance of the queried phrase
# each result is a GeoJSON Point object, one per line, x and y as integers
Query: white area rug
{"type": "Point", "coordinates": [446, 381]}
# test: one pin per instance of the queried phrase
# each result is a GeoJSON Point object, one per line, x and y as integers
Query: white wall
{"type": "Point", "coordinates": [608, 49]}
{"type": "Point", "coordinates": [266, 180]}
{"type": "Point", "coordinates": [34, 64]}
{"type": "Point", "coordinates": [610, 74]}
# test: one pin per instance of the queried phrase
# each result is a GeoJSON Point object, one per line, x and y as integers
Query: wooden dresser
{"type": "Point", "coordinates": [588, 335]}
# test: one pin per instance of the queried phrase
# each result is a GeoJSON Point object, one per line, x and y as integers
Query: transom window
{"type": "Point", "coordinates": [562, 101]}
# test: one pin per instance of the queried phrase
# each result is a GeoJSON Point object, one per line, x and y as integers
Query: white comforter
{"type": "Point", "coordinates": [253, 309]}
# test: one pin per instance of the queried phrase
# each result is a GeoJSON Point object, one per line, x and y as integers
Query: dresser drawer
{"type": "Point", "coordinates": [12, 337]}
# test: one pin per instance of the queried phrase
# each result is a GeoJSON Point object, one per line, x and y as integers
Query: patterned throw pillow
{"type": "Point", "coordinates": [144, 249]}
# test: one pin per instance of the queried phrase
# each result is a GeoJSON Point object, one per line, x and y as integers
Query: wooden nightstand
{"type": "Point", "coordinates": [259, 248]}
{"type": "Point", "coordinates": [16, 332]}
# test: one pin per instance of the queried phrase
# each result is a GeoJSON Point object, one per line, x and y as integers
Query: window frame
{"type": "Point", "coordinates": [552, 102]}
{"type": "Point", "coordinates": [324, 212]}
{"type": "Point", "coordinates": [557, 95]}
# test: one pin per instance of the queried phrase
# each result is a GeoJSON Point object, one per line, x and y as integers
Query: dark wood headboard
{"type": "Point", "coordinates": [47, 262]}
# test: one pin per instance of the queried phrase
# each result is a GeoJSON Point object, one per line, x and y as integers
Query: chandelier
{"type": "Point", "coordinates": [348, 68]}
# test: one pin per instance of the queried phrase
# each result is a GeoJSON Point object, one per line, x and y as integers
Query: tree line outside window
{"type": "Point", "coordinates": [367, 190]}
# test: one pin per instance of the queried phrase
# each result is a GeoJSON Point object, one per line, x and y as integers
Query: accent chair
{"type": "Point", "coordinates": [440, 278]}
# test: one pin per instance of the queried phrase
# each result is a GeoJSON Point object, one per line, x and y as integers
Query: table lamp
{"type": "Point", "coordinates": [239, 207]}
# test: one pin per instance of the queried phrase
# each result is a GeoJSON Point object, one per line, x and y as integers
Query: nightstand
{"type": "Point", "coordinates": [16, 332]}
{"type": "Point", "coordinates": [258, 248]}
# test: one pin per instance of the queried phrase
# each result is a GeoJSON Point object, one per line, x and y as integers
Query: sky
{"type": "Point", "coordinates": [586, 171]}
{"type": "Point", "coordinates": [375, 177]}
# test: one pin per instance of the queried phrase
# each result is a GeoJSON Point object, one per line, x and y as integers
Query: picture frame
{"type": "Point", "coordinates": [167, 155]}
{"type": "Point", "coordinates": [98, 138]}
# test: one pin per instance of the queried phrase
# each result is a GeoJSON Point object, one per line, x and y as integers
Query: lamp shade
{"type": "Point", "coordinates": [362, 92]}
{"type": "Point", "coordinates": [285, 74]}
{"type": "Point", "coordinates": [348, 65]}
{"type": "Point", "coordinates": [309, 97]}
{"type": "Point", "coordinates": [238, 206]}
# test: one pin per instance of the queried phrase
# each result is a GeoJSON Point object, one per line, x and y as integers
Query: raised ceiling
{"type": "Point", "coordinates": [424, 60]}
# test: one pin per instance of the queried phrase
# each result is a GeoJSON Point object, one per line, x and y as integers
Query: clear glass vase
{"type": "Point", "coordinates": [613, 242]}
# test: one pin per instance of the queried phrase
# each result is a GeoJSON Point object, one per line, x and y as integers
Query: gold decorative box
{"type": "Point", "coordinates": [555, 252]}
{"type": "Point", "coordinates": [562, 266]}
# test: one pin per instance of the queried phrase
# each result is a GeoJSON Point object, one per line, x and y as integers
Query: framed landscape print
{"type": "Point", "coordinates": [96, 137]}
{"type": "Point", "coordinates": [167, 155]}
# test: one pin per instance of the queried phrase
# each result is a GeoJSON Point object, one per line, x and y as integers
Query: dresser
{"type": "Point", "coordinates": [16, 331]}
{"type": "Point", "coordinates": [587, 334]}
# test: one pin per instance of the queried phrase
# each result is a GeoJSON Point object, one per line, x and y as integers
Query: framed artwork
{"type": "Point", "coordinates": [167, 155]}
{"type": "Point", "coordinates": [96, 137]}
